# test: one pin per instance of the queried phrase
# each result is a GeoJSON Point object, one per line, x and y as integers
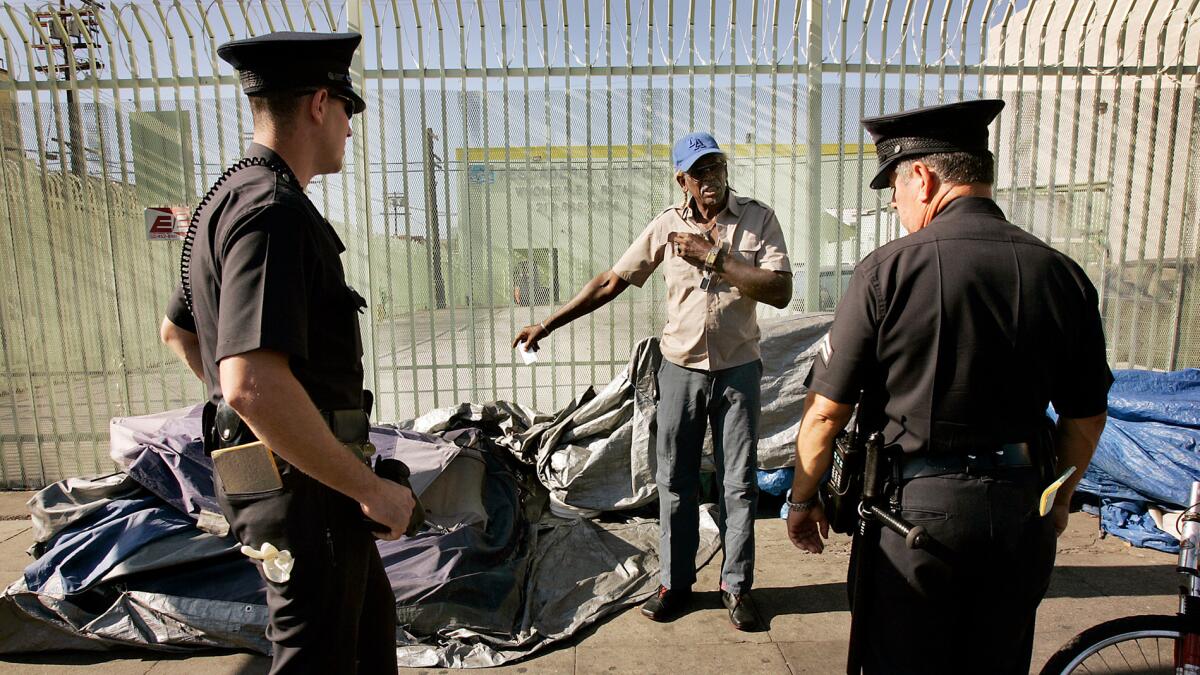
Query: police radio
{"type": "Point", "coordinates": [842, 493]}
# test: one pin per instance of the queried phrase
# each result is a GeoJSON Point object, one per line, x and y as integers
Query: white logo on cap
{"type": "Point", "coordinates": [897, 147]}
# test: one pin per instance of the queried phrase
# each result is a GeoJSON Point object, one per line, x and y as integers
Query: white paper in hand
{"type": "Point", "coordinates": [527, 357]}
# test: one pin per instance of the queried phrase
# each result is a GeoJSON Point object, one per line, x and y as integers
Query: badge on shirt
{"type": "Point", "coordinates": [825, 349]}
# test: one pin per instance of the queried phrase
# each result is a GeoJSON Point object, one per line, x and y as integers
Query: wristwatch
{"type": "Point", "coordinates": [710, 260]}
{"type": "Point", "coordinates": [805, 505]}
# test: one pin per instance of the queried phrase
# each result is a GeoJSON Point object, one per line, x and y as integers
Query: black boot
{"type": "Point", "coordinates": [666, 604]}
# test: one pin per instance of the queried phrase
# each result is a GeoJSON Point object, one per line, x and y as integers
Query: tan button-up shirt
{"type": "Point", "coordinates": [716, 328]}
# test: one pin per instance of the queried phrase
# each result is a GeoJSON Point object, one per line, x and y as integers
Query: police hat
{"type": "Point", "coordinates": [295, 61]}
{"type": "Point", "coordinates": [954, 127]}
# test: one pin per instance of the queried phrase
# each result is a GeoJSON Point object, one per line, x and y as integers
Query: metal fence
{"type": "Point", "coordinates": [511, 149]}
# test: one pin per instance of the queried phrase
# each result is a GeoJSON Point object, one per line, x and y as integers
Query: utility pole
{"type": "Point", "coordinates": [67, 28]}
{"type": "Point", "coordinates": [431, 220]}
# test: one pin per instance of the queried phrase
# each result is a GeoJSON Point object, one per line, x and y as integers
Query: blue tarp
{"type": "Point", "coordinates": [1148, 455]}
{"type": "Point", "coordinates": [82, 554]}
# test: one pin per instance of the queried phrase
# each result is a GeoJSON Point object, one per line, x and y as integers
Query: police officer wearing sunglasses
{"type": "Point", "coordinates": [265, 318]}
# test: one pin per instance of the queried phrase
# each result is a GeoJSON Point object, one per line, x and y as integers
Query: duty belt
{"type": "Point", "coordinates": [352, 427]}
{"type": "Point", "coordinates": [1006, 456]}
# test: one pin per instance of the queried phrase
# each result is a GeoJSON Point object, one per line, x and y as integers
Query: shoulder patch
{"type": "Point", "coordinates": [825, 350]}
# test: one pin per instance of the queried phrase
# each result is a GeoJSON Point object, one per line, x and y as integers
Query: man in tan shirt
{"type": "Point", "coordinates": [721, 255]}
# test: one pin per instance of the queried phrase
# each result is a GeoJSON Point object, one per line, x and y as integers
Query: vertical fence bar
{"type": "Point", "coordinates": [77, 192]}
{"type": "Point", "coordinates": [1128, 200]}
{"type": "Point", "coordinates": [860, 164]}
{"type": "Point", "coordinates": [1003, 54]}
{"type": "Point", "coordinates": [60, 204]}
{"type": "Point", "coordinates": [792, 227]}
{"type": "Point", "coordinates": [1107, 303]}
{"type": "Point", "coordinates": [629, 146]}
{"type": "Point", "coordinates": [184, 197]}
{"type": "Point", "coordinates": [883, 62]}
{"type": "Point", "coordinates": [109, 236]}
{"type": "Point", "coordinates": [943, 53]}
{"type": "Point", "coordinates": [444, 254]}
{"type": "Point", "coordinates": [1155, 273]}
{"type": "Point", "coordinates": [1188, 199]}
{"type": "Point", "coordinates": [547, 58]}
{"type": "Point", "coordinates": [609, 176]}
{"type": "Point", "coordinates": [464, 206]}
{"type": "Point", "coordinates": [531, 287]}
{"type": "Point", "coordinates": [1102, 281]}
{"type": "Point", "coordinates": [962, 44]}
{"type": "Point", "coordinates": [423, 67]}
{"type": "Point", "coordinates": [1075, 126]}
{"type": "Point", "coordinates": [408, 235]}
{"type": "Point", "coordinates": [812, 155]}
{"type": "Point", "coordinates": [383, 310]}
{"type": "Point", "coordinates": [1051, 193]}
{"type": "Point", "coordinates": [921, 55]}
{"type": "Point", "coordinates": [1031, 198]}
{"type": "Point", "coordinates": [47, 190]}
{"type": "Point", "coordinates": [839, 189]}
{"type": "Point", "coordinates": [568, 159]}
{"type": "Point", "coordinates": [10, 221]}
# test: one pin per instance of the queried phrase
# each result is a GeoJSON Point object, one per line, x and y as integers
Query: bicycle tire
{"type": "Point", "coordinates": [1111, 635]}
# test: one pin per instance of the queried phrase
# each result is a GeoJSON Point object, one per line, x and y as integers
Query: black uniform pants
{"type": "Point", "coordinates": [966, 604]}
{"type": "Point", "coordinates": [337, 612]}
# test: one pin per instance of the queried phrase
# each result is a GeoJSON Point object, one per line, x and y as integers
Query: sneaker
{"type": "Point", "coordinates": [666, 603]}
{"type": "Point", "coordinates": [741, 610]}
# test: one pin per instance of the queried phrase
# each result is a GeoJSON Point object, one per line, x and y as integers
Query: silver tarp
{"type": "Point", "coordinates": [142, 557]}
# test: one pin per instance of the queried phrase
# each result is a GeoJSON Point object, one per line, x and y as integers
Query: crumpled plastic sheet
{"type": "Point", "coordinates": [121, 565]}
{"type": "Point", "coordinates": [1149, 453]}
{"type": "Point", "coordinates": [543, 578]}
{"type": "Point", "coordinates": [610, 560]}
{"type": "Point", "coordinates": [598, 452]}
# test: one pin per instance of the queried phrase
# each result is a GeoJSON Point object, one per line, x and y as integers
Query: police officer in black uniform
{"type": "Point", "coordinates": [266, 319]}
{"type": "Point", "coordinates": [956, 337]}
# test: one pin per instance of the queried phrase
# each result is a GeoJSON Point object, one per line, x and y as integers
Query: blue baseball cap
{"type": "Point", "coordinates": [691, 148]}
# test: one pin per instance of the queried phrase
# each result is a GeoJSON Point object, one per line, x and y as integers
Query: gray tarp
{"type": "Point", "coordinates": [597, 453]}
{"type": "Point", "coordinates": [498, 580]}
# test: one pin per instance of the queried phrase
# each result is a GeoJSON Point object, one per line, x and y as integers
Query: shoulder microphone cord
{"type": "Point", "coordinates": [185, 256]}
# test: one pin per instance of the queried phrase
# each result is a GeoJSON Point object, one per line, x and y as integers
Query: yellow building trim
{"type": "Point", "coordinates": [656, 151]}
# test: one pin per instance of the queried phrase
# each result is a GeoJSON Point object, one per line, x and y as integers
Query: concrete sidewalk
{"type": "Point", "coordinates": [802, 599]}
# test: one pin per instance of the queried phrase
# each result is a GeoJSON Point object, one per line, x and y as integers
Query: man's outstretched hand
{"type": "Point", "coordinates": [530, 335]}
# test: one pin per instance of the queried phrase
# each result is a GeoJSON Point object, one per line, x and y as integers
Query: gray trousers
{"type": "Point", "coordinates": [688, 400]}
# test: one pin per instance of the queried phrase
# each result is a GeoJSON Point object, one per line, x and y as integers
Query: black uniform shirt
{"type": "Point", "coordinates": [966, 328]}
{"type": "Point", "coordinates": [266, 274]}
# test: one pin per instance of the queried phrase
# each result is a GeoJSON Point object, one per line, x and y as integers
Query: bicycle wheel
{"type": "Point", "coordinates": [1134, 644]}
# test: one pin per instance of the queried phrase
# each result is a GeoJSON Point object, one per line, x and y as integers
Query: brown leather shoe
{"type": "Point", "coordinates": [666, 604]}
{"type": "Point", "coordinates": [742, 614]}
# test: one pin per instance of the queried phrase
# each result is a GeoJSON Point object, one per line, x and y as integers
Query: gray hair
{"type": "Point", "coordinates": [960, 168]}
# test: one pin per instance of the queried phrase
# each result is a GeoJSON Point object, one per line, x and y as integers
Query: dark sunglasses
{"type": "Point", "coordinates": [716, 168]}
{"type": "Point", "coordinates": [349, 104]}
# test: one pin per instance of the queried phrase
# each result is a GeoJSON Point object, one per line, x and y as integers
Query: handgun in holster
{"type": "Point", "coordinates": [246, 466]}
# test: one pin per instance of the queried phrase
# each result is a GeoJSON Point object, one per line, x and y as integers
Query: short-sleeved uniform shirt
{"type": "Point", "coordinates": [266, 274]}
{"type": "Point", "coordinates": [966, 329]}
{"type": "Point", "coordinates": [715, 328]}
